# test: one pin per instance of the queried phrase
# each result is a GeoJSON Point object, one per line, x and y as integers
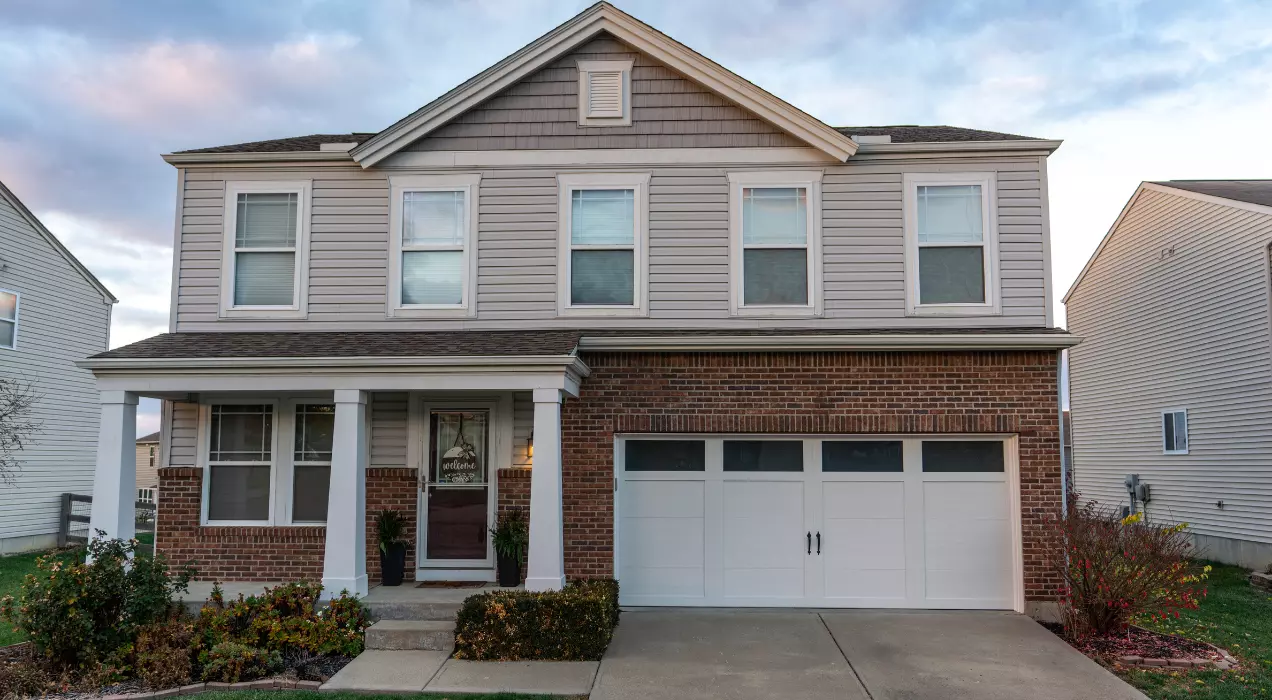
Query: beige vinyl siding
{"type": "Point", "coordinates": [863, 245]}
{"type": "Point", "coordinates": [147, 473]}
{"type": "Point", "coordinates": [388, 438]}
{"type": "Point", "coordinates": [522, 427]}
{"type": "Point", "coordinates": [184, 435]}
{"type": "Point", "coordinates": [668, 111]}
{"type": "Point", "coordinates": [62, 318]}
{"type": "Point", "coordinates": [1175, 314]}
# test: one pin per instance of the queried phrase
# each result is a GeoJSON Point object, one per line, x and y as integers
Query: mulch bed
{"type": "Point", "coordinates": [1139, 643]}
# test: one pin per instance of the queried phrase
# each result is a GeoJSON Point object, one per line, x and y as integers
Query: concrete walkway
{"type": "Point", "coordinates": [434, 671]}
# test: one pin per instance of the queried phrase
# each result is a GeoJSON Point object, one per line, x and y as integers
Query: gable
{"type": "Point", "coordinates": [668, 111]}
{"type": "Point", "coordinates": [31, 236]}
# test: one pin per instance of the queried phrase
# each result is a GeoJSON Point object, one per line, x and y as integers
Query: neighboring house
{"type": "Point", "coordinates": [53, 311]}
{"type": "Point", "coordinates": [147, 467]}
{"type": "Point", "coordinates": [723, 351]}
{"type": "Point", "coordinates": [1173, 380]}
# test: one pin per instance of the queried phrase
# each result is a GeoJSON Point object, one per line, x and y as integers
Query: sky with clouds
{"type": "Point", "coordinates": [92, 91]}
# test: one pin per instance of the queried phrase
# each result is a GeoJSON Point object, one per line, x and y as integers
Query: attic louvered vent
{"type": "Point", "coordinates": [605, 93]}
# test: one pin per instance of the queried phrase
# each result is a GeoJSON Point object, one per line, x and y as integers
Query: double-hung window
{"type": "Point", "coordinates": [433, 263]}
{"type": "Point", "coordinates": [240, 465]}
{"type": "Point", "coordinates": [264, 265]}
{"type": "Point", "coordinates": [603, 244]}
{"type": "Point", "coordinates": [311, 462]}
{"type": "Point", "coordinates": [951, 244]}
{"type": "Point", "coordinates": [8, 319]}
{"type": "Point", "coordinates": [775, 231]}
{"type": "Point", "coordinates": [1175, 432]}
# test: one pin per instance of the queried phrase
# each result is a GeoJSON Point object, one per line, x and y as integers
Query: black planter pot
{"type": "Point", "coordinates": [509, 571]}
{"type": "Point", "coordinates": [392, 565]}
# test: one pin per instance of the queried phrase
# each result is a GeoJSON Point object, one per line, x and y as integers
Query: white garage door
{"type": "Point", "coordinates": [822, 522]}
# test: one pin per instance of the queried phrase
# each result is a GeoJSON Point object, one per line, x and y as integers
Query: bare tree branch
{"type": "Point", "coordinates": [17, 428]}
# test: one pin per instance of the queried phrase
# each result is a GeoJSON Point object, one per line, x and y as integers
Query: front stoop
{"type": "Point", "coordinates": [412, 610]}
{"type": "Point", "coordinates": [401, 635]}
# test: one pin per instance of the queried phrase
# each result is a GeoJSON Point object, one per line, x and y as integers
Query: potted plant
{"type": "Point", "coordinates": [510, 536]}
{"type": "Point", "coordinates": [390, 526]}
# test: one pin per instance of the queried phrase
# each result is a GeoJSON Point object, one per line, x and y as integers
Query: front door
{"type": "Point", "coordinates": [457, 491]}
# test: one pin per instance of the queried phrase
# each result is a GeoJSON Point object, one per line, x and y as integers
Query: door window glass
{"type": "Point", "coordinates": [763, 456]}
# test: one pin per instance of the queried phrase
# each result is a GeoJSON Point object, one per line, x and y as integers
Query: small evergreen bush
{"type": "Point", "coordinates": [575, 624]}
{"type": "Point", "coordinates": [231, 662]}
{"type": "Point", "coordinates": [82, 615]}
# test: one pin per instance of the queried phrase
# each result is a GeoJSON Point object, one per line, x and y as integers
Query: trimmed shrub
{"type": "Point", "coordinates": [163, 654]}
{"type": "Point", "coordinates": [575, 624]}
{"type": "Point", "coordinates": [1114, 569]}
{"type": "Point", "coordinates": [283, 619]}
{"type": "Point", "coordinates": [80, 615]}
{"type": "Point", "coordinates": [231, 662]}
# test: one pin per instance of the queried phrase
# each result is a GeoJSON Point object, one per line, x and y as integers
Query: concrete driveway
{"type": "Point", "coordinates": [845, 655]}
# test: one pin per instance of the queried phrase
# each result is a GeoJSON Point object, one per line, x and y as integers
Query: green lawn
{"type": "Point", "coordinates": [12, 571]}
{"type": "Point", "coordinates": [1233, 616]}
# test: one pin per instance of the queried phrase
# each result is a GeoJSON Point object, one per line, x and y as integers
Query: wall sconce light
{"type": "Point", "coordinates": [530, 445]}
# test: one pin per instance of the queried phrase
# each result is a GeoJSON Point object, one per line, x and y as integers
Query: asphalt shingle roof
{"type": "Point", "coordinates": [153, 437]}
{"type": "Point", "coordinates": [900, 134]}
{"type": "Point", "coordinates": [453, 343]}
{"type": "Point", "coordinates": [1249, 191]}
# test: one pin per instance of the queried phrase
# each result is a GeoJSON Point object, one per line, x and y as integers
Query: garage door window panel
{"type": "Point", "coordinates": [862, 456]}
{"type": "Point", "coordinates": [951, 456]}
{"type": "Point", "coordinates": [665, 456]}
{"type": "Point", "coordinates": [763, 456]}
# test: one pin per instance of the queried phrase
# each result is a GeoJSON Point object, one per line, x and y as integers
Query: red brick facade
{"type": "Point", "coordinates": [806, 392]}
{"type": "Point", "coordinates": [809, 393]}
{"type": "Point", "coordinates": [286, 553]}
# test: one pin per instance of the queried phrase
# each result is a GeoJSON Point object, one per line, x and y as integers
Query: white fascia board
{"type": "Point", "coordinates": [341, 157]}
{"type": "Point", "coordinates": [599, 18]}
{"type": "Point", "coordinates": [882, 341]}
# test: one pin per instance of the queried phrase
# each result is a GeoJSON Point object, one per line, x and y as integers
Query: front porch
{"type": "Point", "coordinates": [274, 468]}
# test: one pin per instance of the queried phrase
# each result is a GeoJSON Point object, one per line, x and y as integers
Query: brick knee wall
{"type": "Point", "coordinates": [514, 493]}
{"type": "Point", "coordinates": [808, 393]}
{"type": "Point", "coordinates": [282, 553]}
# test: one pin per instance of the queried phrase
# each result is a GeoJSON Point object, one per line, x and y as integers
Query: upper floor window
{"type": "Point", "coordinates": [951, 244]}
{"type": "Point", "coordinates": [264, 268]}
{"type": "Point", "coordinates": [603, 244]}
{"type": "Point", "coordinates": [605, 93]}
{"type": "Point", "coordinates": [433, 262]}
{"type": "Point", "coordinates": [775, 231]}
{"type": "Point", "coordinates": [8, 319]}
{"type": "Point", "coordinates": [1175, 432]}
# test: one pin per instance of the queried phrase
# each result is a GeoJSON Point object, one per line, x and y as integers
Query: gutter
{"type": "Point", "coordinates": [328, 363]}
{"type": "Point", "coordinates": [250, 157]}
{"type": "Point", "coordinates": [771, 343]}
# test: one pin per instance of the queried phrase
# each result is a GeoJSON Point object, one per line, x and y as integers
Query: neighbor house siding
{"type": "Point", "coordinates": [862, 237]}
{"type": "Point", "coordinates": [668, 111]}
{"type": "Point", "coordinates": [1174, 313]}
{"type": "Point", "coordinates": [62, 318]}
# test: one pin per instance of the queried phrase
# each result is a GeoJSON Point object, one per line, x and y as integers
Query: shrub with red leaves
{"type": "Point", "coordinates": [1114, 569]}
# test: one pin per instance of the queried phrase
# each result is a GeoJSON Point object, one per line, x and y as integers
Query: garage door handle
{"type": "Point", "coordinates": [810, 542]}
{"type": "Point", "coordinates": [819, 544]}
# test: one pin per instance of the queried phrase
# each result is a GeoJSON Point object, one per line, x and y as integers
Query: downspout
{"type": "Point", "coordinates": [1064, 468]}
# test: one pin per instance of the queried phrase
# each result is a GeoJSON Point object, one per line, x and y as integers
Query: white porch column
{"type": "Point", "coordinates": [345, 560]}
{"type": "Point", "coordinates": [115, 480]}
{"type": "Point", "coordinates": [545, 570]}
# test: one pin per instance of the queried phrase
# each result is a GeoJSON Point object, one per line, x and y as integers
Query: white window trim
{"type": "Point", "coordinates": [275, 471]}
{"type": "Point", "coordinates": [288, 478]}
{"type": "Point", "coordinates": [17, 314]}
{"type": "Point", "coordinates": [809, 179]}
{"type": "Point", "coordinates": [586, 67]}
{"type": "Point", "coordinates": [639, 184]}
{"type": "Point", "coordinates": [1161, 424]}
{"type": "Point", "coordinates": [300, 301]}
{"type": "Point", "coordinates": [469, 184]}
{"type": "Point", "coordinates": [992, 305]}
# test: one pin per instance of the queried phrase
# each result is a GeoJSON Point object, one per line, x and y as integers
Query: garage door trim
{"type": "Point", "coordinates": [812, 453]}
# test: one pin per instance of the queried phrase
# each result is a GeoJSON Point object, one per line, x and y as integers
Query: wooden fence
{"type": "Point", "coordinates": [77, 510]}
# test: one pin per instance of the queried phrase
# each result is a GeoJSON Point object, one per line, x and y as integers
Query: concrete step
{"type": "Point", "coordinates": [412, 610]}
{"type": "Point", "coordinates": [411, 635]}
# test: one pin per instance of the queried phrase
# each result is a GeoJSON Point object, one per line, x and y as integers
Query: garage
{"type": "Point", "coordinates": [842, 521]}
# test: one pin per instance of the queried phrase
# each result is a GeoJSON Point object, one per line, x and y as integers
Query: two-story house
{"type": "Point", "coordinates": [723, 351]}
{"type": "Point", "coordinates": [53, 312]}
